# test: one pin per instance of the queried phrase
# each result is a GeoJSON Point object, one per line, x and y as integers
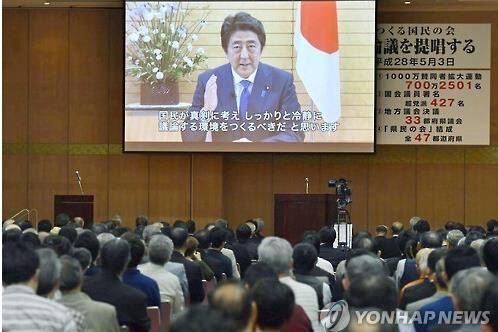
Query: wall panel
{"type": "Point", "coordinates": [116, 73]}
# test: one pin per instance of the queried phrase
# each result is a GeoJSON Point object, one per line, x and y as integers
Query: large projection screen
{"type": "Point", "coordinates": [310, 88]}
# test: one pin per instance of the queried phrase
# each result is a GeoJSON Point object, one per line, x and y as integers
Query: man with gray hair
{"type": "Point", "coordinates": [453, 237]}
{"type": "Point", "coordinates": [160, 250]}
{"type": "Point", "coordinates": [277, 253]}
{"type": "Point", "coordinates": [99, 316]}
{"type": "Point", "coordinates": [367, 264]}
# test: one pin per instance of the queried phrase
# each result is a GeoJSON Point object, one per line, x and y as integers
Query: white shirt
{"type": "Point", "coordinates": [325, 265]}
{"type": "Point", "coordinates": [238, 87]}
{"type": "Point", "coordinates": [169, 285]}
{"type": "Point", "coordinates": [229, 253]}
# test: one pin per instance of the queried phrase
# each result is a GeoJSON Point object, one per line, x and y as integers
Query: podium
{"type": "Point", "coordinates": [296, 213]}
{"type": "Point", "coordinates": [75, 206]}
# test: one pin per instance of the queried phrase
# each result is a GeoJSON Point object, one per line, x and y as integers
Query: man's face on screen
{"type": "Point", "coordinates": [244, 52]}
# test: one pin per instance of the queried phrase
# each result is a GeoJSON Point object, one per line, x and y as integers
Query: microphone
{"type": "Point", "coordinates": [79, 181]}
{"type": "Point", "coordinates": [307, 185]}
{"type": "Point", "coordinates": [77, 175]}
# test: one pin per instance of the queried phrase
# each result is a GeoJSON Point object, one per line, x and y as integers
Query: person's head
{"type": "Point", "coordinates": [44, 225]}
{"type": "Point", "coordinates": [327, 235]}
{"type": "Point", "coordinates": [257, 272]}
{"type": "Point", "coordinates": [235, 301]}
{"type": "Point", "coordinates": [421, 261]}
{"type": "Point", "coordinates": [104, 238]}
{"type": "Point", "coordinates": [312, 238]}
{"type": "Point", "coordinates": [304, 258]}
{"type": "Point", "coordinates": [370, 290]}
{"type": "Point", "coordinates": [79, 222]}
{"type": "Point", "coordinates": [243, 232]}
{"type": "Point", "coordinates": [472, 236]}
{"type": "Point", "coordinates": [381, 230]}
{"type": "Point", "coordinates": [467, 288]}
{"type": "Point", "coordinates": [179, 236]}
{"type": "Point", "coordinates": [160, 249]}
{"type": "Point", "coordinates": [217, 237]}
{"type": "Point", "coordinates": [203, 237]}
{"type": "Point", "coordinates": [492, 226]}
{"type": "Point", "coordinates": [83, 256]}
{"type": "Point", "coordinates": [191, 246]}
{"type": "Point", "coordinates": [88, 240]}
{"type": "Point", "coordinates": [19, 264]}
{"type": "Point", "coordinates": [61, 220]}
{"type": "Point", "coordinates": [422, 226]}
{"type": "Point", "coordinates": [99, 229]}
{"type": "Point", "coordinates": [115, 256]}
{"type": "Point", "coordinates": [190, 226]}
{"type": "Point", "coordinates": [260, 223]}
{"type": "Point", "coordinates": [490, 305]}
{"type": "Point", "coordinates": [453, 237]}
{"type": "Point", "coordinates": [413, 221]}
{"type": "Point", "coordinates": [358, 266]}
{"type": "Point", "coordinates": [69, 232]}
{"type": "Point", "coordinates": [441, 276]}
{"type": "Point", "coordinates": [137, 248]}
{"type": "Point", "coordinates": [120, 230]}
{"type": "Point", "coordinates": [277, 253]}
{"type": "Point", "coordinates": [275, 302]}
{"type": "Point", "coordinates": [150, 231]}
{"type": "Point", "coordinates": [431, 240]}
{"type": "Point", "coordinates": [460, 258]}
{"type": "Point", "coordinates": [201, 318]}
{"type": "Point", "coordinates": [49, 272]}
{"type": "Point", "coordinates": [59, 244]}
{"type": "Point", "coordinates": [141, 221]}
{"type": "Point", "coordinates": [31, 239]}
{"type": "Point", "coordinates": [434, 256]}
{"type": "Point", "coordinates": [396, 228]}
{"type": "Point", "coordinates": [71, 276]}
{"type": "Point", "coordinates": [243, 39]}
{"type": "Point", "coordinates": [180, 223]}
{"type": "Point", "coordinates": [365, 242]}
{"type": "Point", "coordinates": [490, 255]}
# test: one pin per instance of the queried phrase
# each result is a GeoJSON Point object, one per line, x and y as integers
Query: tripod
{"type": "Point", "coordinates": [343, 228]}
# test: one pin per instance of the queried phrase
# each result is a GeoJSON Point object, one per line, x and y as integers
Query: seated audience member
{"type": "Point", "coordinates": [69, 232]}
{"type": "Point", "coordinates": [423, 286]}
{"type": "Point", "coordinates": [244, 243]}
{"type": "Point", "coordinates": [83, 256]}
{"type": "Point", "coordinates": [389, 247]}
{"type": "Point", "coordinates": [363, 264]}
{"type": "Point", "coordinates": [59, 244]}
{"type": "Point", "coordinates": [240, 249]}
{"type": "Point", "coordinates": [327, 251]}
{"type": "Point", "coordinates": [61, 220]}
{"type": "Point", "coordinates": [406, 271]}
{"type": "Point", "coordinates": [104, 238]}
{"type": "Point", "coordinates": [118, 231]}
{"type": "Point", "coordinates": [78, 222]}
{"type": "Point", "coordinates": [213, 257]}
{"type": "Point", "coordinates": [275, 303]}
{"type": "Point", "coordinates": [133, 277]}
{"type": "Point", "coordinates": [193, 255]}
{"type": "Point", "coordinates": [491, 228]}
{"type": "Point", "coordinates": [453, 237]}
{"type": "Point", "coordinates": [457, 259]}
{"type": "Point", "coordinates": [490, 305]}
{"type": "Point", "coordinates": [44, 225]}
{"type": "Point", "coordinates": [160, 250]}
{"type": "Point", "coordinates": [435, 265]}
{"type": "Point", "coordinates": [88, 240]}
{"type": "Point", "coordinates": [472, 236]}
{"type": "Point", "coordinates": [277, 253]}
{"type": "Point", "coordinates": [201, 318]}
{"type": "Point", "coordinates": [48, 272]}
{"type": "Point", "coordinates": [22, 309]}
{"type": "Point", "coordinates": [231, 256]}
{"type": "Point", "coordinates": [179, 237]}
{"type": "Point", "coordinates": [490, 255]}
{"type": "Point", "coordinates": [430, 239]}
{"type": "Point", "coordinates": [260, 224]}
{"type": "Point", "coordinates": [372, 291]}
{"type": "Point", "coordinates": [106, 286]}
{"type": "Point", "coordinates": [98, 316]}
{"type": "Point", "coordinates": [235, 301]}
{"type": "Point", "coordinates": [190, 227]}
{"type": "Point", "coordinates": [313, 238]}
{"type": "Point", "coordinates": [304, 259]}
{"type": "Point", "coordinates": [99, 229]}
{"type": "Point", "coordinates": [31, 239]}
{"type": "Point", "coordinates": [422, 226]}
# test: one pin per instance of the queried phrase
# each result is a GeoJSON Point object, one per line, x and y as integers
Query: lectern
{"type": "Point", "coordinates": [75, 206]}
{"type": "Point", "coordinates": [296, 213]}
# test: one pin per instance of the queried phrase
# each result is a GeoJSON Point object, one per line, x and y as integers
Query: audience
{"type": "Point", "coordinates": [275, 303]}
{"type": "Point", "coordinates": [219, 263]}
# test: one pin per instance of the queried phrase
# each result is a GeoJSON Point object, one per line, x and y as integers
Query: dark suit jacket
{"type": "Point", "coordinates": [218, 262]}
{"type": "Point", "coordinates": [417, 292]}
{"type": "Point", "coordinates": [130, 303]}
{"type": "Point", "coordinates": [333, 255]}
{"type": "Point", "coordinates": [194, 276]}
{"type": "Point", "coordinates": [273, 90]}
{"type": "Point", "coordinates": [388, 247]}
{"type": "Point", "coordinates": [241, 255]}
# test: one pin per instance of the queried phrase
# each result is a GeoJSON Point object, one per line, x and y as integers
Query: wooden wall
{"type": "Point", "coordinates": [62, 111]}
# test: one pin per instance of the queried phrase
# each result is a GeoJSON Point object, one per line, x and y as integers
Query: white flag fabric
{"type": "Point", "coordinates": [316, 40]}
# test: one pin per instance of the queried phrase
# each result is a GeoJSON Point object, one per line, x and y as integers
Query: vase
{"type": "Point", "coordinates": [163, 93]}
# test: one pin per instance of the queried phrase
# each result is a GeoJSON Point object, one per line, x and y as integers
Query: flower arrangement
{"type": "Point", "coordinates": [159, 41]}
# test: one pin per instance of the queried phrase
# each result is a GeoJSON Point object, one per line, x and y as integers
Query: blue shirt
{"type": "Point", "coordinates": [134, 278]}
{"type": "Point", "coordinates": [444, 304]}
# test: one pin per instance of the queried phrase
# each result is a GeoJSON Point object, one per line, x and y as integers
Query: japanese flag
{"type": "Point", "coordinates": [316, 41]}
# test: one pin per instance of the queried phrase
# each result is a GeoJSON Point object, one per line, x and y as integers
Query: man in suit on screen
{"type": "Point", "coordinates": [244, 100]}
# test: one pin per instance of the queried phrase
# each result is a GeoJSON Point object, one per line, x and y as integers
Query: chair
{"type": "Point", "coordinates": [208, 287]}
{"type": "Point", "coordinates": [165, 316]}
{"type": "Point", "coordinates": [155, 320]}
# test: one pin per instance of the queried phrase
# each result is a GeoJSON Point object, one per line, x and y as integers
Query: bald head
{"type": "Point", "coordinates": [234, 300]}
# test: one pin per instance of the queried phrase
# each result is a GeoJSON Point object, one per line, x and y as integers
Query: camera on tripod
{"type": "Point", "coordinates": [343, 192]}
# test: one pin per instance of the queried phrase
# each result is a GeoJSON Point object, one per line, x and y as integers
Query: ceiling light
{"type": "Point", "coordinates": [407, 2]}
{"type": "Point", "coordinates": [46, 3]}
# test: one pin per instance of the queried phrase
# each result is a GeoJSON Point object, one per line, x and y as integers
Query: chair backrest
{"type": "Point", "coordinates": [208, 288]}
{"type": "Point", "coordinates": [124, 328]}
{"type": "Point", "coordinates": [155, 318]}
{"type": "Point", "coordinates": [165, 316]}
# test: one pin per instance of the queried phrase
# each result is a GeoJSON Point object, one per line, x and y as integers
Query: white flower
{"type": "Point", "coordinates": [172, 28]}
{"type": "Point", "coordinates": [146, 39]}
{"type": "Point", "coordinates": [134, 37]}
{"type": "Point", "coordinates": [130, 58]}
{"type": "Point", "coordinates": [175, 44]}
{"type": "Point", "coordinates": [143, 30]}
{"type": "Point", "coordinates": [163, 35]}
{"type": "Point", "coordinates": [155, 31]}
{"type": "Point", "coordinates": [155, 70]}
{"type": "Point", "coordinates": [189, 47]}
{"type": "Point", "coordinates": [137, 62]}
{"type": "Point", "coordinates": [156, 51]}
{"type": "Point", "coordinates": [148, 15]}
{"type": "Point", "coordinates": [159, 75]}
{"type": "Point", "coordinates": [190, 63]}
{"type": "Point", "coordinates": [203, 24]}
{"type": "Point", "coordinates": [195, 37]}
{"type": "Point", "coordinates": [159, 57]}
{"type": "Point", "coordinates": [200, 50]}
{"type": "Point", "coordinates": [174, 65]}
